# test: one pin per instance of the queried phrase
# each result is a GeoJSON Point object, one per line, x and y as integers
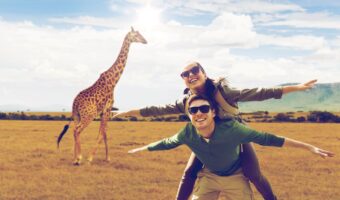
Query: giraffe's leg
{"type": "Point", "coordinates": [101, 137]}
{"type": "Point", "coordinates": [77, 150]}
{"type": "Point", "coordinates": [77, 147]}
{"type": "Point", "coordinates": [106, 117]}
{"type": "Point", "coordinates": [105, 139]}
{"type": "Point", "coordinates": [94, 150]}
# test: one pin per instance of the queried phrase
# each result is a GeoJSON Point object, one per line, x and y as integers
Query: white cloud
{"type": "Point", "coordinates": [336, 42]}
{"type": "Point", "coordinates": [302, 42]}
{"type": "Point", "coordinates": [217, 6]}
{"type": "Point", "coordinates": [91, 21]}
{"type": "Point", "coordinates": [229, 29]}
{"type": "Point", "coordinates": [316, 20]}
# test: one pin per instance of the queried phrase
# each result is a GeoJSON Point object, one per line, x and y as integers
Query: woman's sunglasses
{"type": "Point", "coordinates": [195, 70]}
{"type": "Point", "coordinates": [202, 109]}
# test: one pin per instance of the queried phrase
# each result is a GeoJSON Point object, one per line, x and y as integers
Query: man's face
{"type": "Point", "coordinates": [193, 76]}
{"type": "Point", "coordinates": [201, 120]}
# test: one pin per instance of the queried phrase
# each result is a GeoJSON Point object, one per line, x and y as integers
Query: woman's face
{"type": "Point", "coordinates": [193, 76]}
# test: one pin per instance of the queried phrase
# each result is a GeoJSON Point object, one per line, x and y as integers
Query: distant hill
{"type": "Point", "coordinates": [324, 97]}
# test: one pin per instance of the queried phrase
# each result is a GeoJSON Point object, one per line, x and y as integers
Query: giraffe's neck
{"type": "Point", "coordinates": [113, 74]}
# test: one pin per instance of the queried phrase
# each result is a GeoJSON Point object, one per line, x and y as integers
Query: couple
{"type": "Point", "coordinates": [206, 99]}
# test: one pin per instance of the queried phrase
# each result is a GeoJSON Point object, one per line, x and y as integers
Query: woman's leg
{"type": "Point", "coordinates": [251, 170]}
{"type": "Point", "coordinates": [189, 177]}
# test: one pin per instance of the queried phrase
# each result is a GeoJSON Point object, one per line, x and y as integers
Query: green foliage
{"type": "Point", "coordinates": [24, 116]}
{"type": "Point", "coordinates": [282, 117]}
{"type": "Point", "coordinates": [300, 119]}
{"type": "Point", "coordinates": [117, 119]}
{"type": "Point", "coordinates": [323, 117]}
{"type": "Point", "coordinates": [133, 119]}
{"type": "Point", "coordinates": [183, 118]}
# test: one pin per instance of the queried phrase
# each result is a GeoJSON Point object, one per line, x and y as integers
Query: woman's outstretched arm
{"type": "Point", "coordinates": [299, 87]}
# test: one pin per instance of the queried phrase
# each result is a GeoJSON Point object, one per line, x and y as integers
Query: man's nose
{"type": "Point", "coordinates": [199, 112]}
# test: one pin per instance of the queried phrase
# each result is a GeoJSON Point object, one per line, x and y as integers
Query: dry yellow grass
{"type": "Point", "coordinates": [32, 168]}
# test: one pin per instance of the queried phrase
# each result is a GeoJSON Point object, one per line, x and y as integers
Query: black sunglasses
{"type": "Point", "coordinates": [195, 70]}
{"type": "Point", "coordinates": [202, 109]}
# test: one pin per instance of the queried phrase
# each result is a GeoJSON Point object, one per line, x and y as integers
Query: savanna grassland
{"type": "Point", "coordinates": [31, 167]}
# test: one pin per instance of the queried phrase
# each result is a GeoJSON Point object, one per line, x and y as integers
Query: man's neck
{"type": "Point", "coordinates": [207, 132]}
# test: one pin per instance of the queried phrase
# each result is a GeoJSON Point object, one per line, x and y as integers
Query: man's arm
{"type": "Point", "coordinates": [130, 113]}
{"type": "Point", "coordinates": [315, 150]}
{"type": "Point", "coordinates": [267, 139]}
{"type": "Point", "coordinates": [138, 149]}
{"type": "Point", "coordinates": [165, 144]}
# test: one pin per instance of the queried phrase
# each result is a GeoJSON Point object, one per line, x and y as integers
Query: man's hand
{"type": "Point", "coordinates": [321, 152]}
{"type": "Point", "coordinates": [121, 114]}
{"type": "Point", "coordinates": [131, 113]}
{"type": "Point", "coordinates": [138, 149]}
{"type": "Point", "coordinates": [315, 150]}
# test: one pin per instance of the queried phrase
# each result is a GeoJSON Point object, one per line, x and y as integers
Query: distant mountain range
{"type": "Point", "coordinates": [324, 97]}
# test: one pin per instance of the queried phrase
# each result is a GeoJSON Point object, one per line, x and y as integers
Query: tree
{"type": "Point", "coordinates": [301, 119]}
{"type": "Point", "coordinates": [183, 118]}
{"type": "Point", "coordinates": [319, 116]}
{"type": "Point", "coordinates": [282, 117]}
{"type": "Point", "coordinates": [3, 116]}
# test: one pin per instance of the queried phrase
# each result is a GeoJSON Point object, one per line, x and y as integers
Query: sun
{"type": "Point", "coordinates": [148, 17]}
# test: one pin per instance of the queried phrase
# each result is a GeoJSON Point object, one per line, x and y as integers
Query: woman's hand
{"type": "Point", "coordinates": [306, 86]}
{"type": "Point", "coordinates": [299, 87]}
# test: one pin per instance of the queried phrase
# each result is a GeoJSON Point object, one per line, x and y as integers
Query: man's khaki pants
{"type": "Point", "coordinates": [209, 186]}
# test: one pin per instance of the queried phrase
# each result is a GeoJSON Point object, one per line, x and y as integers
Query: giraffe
{"type": "Point", "coordinates": [98, 100]}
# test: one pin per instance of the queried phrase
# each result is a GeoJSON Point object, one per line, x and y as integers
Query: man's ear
{"type": "Point", "coordinates": [213, 112]}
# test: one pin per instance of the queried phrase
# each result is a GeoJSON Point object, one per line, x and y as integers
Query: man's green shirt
{"type": "Point", "coordinates": [221, 155]}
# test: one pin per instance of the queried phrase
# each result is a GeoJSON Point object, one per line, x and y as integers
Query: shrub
{"type": "Point", "coordinates": [133, 119]}
{"type": "Point", "coordinates": [319, 116]}
{"type": "Point", "coordinates": [282, 117]}
{"type": "Point", "coordinates": [3, 116]}
{"type": "Point", "coordinates": [183, 118]}
{"type": "Point", "coordinates": [301, 119]}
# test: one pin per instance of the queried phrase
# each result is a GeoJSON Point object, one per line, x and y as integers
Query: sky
{"type": "Point", "coordinates": [52, 49]}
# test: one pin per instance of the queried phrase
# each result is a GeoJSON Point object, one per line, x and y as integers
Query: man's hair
{"type": "Point", "coordinates": [195, 97]}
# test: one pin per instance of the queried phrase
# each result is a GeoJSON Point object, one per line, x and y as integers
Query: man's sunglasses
{"type": "Point", "coordinates": [195, 70]}
{"type": "Point", "coordinates": [202, 109]}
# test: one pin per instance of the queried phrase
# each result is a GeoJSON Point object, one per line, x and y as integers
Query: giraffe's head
{"type": "Point", "coordinates": [135, 36]}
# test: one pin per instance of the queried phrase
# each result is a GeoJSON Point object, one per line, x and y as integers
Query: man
{"type": "Point", "coordinates": [216, 143]}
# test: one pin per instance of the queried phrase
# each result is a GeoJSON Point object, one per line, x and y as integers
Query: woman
{"type": "Point", "coordinates": [226, 98]}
